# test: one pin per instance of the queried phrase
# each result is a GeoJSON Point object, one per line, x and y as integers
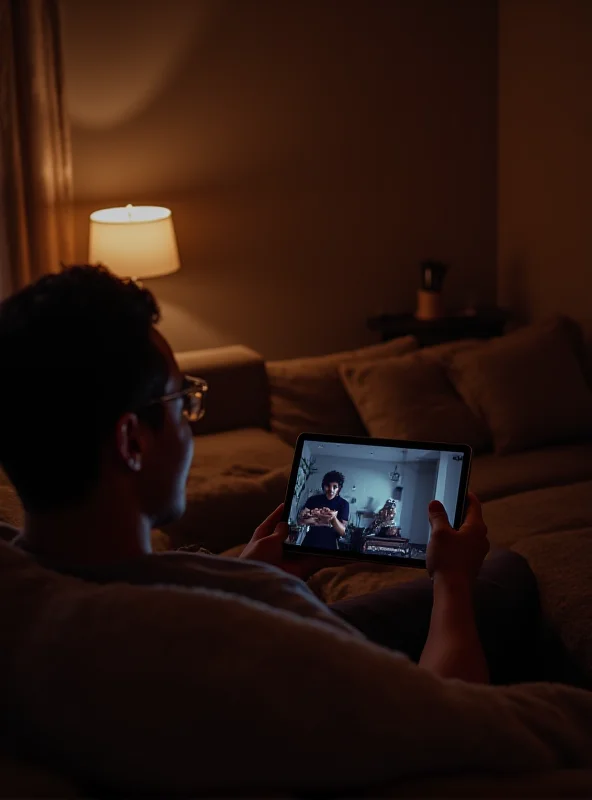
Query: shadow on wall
{"type": "Point", "coordinates": [150, 49]}
{"type": "Point", "coordinates": [312, 154]}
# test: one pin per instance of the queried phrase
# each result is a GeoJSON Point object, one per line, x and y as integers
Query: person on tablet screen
{"type": "Point", "coordinates": [326, 513]}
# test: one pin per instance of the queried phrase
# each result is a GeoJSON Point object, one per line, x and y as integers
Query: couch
{"type": "Point", "coordinates": [537, 495]}
{"type": "Point", "coordinates": [536, 492]}
{"type": "Point", "coordinates": [532, 473]}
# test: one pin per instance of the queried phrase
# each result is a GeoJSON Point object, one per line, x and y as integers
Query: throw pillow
{"type": "Point", "coordinates": [529, 386]}
{"type": "Point", "coordinates": [307, 395]}
{"type": "Point", "coordinates": [411, 397]}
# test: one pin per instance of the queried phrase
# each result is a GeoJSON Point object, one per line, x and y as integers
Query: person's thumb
{"type": "Point", "coordinates": [438, 516]}
{"type": "Point", "coordinates": [268, 525]}
{"type": "Point", "coordinates": [282, 531]}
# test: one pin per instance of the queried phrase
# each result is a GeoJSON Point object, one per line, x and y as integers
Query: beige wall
{"type": "Point", "coordinates": [545, 157]}
{"type": "Point", "coordinates": [312, 152]}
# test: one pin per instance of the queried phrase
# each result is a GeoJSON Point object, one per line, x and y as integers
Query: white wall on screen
{"type": "Point", "coordinates": [419, 482]}
{"type": "Point", "coordinates": [447, 482]}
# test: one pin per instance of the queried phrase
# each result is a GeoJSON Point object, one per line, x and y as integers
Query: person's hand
{"type": "Point", "coordinates": [456, 555]}
{"type": "Point", "coordinates": [312, 516]}
{"type": "Point", "coordinates": [266, 545]}
{"type": "Point", "coordinates": [326, 516]}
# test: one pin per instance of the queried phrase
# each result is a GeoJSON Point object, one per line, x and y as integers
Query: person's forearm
{"type": "Point", "coordinates": [453, 648]}
{"type": "Point", "coordinates": [339, 526]}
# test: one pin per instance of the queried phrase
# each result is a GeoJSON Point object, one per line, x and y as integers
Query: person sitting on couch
{"type": "Point", "coordinates": [95, 437]}
{"type": "Point", "coordinates": [326, 513]}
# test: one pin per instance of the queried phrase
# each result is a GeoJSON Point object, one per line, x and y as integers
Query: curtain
{"type": "Point", "coordinates": [36, 222]}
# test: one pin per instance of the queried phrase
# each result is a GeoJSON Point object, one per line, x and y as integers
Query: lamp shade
{"type": "Point", "coordinates": [134, 241]}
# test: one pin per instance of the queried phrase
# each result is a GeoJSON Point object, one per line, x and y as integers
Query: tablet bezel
{"type": "Point", "coordinates": [345, 555]}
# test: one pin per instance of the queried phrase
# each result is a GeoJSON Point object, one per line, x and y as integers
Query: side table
{"type": "Point", "coordinates": [483, 324]}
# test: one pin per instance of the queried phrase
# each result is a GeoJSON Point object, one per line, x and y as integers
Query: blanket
{"type": "Point", "coordinates": [156, 689]}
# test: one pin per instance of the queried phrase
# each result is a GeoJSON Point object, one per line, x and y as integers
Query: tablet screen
{"type": "Point", "coordinates": [364, 499]}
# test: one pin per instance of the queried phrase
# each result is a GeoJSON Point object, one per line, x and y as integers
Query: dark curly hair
{"type": "Point", "coordinates": [75, 354]}
{"type": "Point", "coordinates": [334, 477]}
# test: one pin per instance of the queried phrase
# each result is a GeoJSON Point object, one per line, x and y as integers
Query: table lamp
{"type": "Point", "coordinates": [134, 241]}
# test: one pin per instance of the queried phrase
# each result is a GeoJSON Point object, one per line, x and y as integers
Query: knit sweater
{"type": "Point", "coordinates": [167, 689]}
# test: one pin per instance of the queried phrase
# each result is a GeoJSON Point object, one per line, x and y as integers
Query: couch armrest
{"type": "Point", "coordinates": [238, 395]}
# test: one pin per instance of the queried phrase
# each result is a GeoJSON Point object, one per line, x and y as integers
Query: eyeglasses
{"type": "Point", "coordinates": [193, 394]}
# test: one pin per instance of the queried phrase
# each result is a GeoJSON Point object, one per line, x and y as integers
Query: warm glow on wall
{"type": "Point", "coordinates": [134, 241]}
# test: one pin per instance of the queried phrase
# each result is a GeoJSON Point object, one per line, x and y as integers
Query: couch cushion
{"type": "Point", "coordinates": [307, 394]}
{"type": "Point", "coordinates": [562, 563]}
{"type": "Point", "coordinates": [529, 386]}
{"type": "Point", "coordinates": [411, 397]}
{"type": "Point", "coordinates": [237, 478]}
{"type": "Point", "coordinates": [246, 452]}
{"type": "Point", "coordinates": [494, 476]}
{"type": "Point", "coordinates": [556, 508]}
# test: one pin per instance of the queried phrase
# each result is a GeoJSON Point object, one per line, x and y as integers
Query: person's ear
{"type": "Point", "coordinates": [130, 441]}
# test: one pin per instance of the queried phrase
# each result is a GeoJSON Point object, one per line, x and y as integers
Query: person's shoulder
{"type": "Point", "coordinates": [344, 502]}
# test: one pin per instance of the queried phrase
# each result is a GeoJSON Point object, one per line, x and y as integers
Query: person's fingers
{"type": "Point", "coordinates": [282, 531]}
{"type": "Point", "coordinates": [474, 512]}
{"type": "Point", "coordinates": [268, 525]}
{"type": "Point", "coordinates": [438, 516]}
{"type": "Point", "coordinates": [474, 515]}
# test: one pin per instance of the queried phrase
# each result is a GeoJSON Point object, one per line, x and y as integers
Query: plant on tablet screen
{"type": "Point", "coordinates": [306, 469]}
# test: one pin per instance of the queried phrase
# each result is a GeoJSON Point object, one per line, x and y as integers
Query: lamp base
{"type": "Point", "coordinates": [429, 305]}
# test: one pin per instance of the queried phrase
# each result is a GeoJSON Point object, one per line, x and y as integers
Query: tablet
{"type": "Point", "coordinates": [367, 499]}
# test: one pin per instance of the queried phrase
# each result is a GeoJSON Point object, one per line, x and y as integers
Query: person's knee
{"type": "Point", "coordinates": [508, 568]}
{"type": "Point", "coordinates": [507, 589]}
